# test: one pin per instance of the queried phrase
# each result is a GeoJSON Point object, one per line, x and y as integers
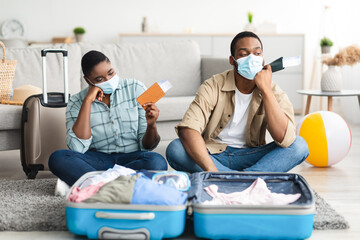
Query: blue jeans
{"type": "Point", "coordinates": [266, 158]}
{"type": "Point", "coordinates": [70, 165]}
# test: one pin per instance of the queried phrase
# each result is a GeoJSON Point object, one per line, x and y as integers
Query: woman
{"type": "Point", "coordinates": [106, 125]}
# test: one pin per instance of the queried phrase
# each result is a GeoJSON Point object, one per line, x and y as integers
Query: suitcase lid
{"type": "Point", "coordinates": [228, 182]}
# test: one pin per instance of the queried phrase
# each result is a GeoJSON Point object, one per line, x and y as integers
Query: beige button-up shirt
{"type": "Point", "coordinates": [213, 107]}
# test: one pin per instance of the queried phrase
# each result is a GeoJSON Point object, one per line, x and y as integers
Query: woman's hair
{"type": "Point", "coordinates": [90, 60]}
{"type": "Point", "coordinates": [240, 36]}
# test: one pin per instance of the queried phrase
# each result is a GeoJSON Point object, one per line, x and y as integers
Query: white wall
{"type": "Point", "coordinates": [104, 19]}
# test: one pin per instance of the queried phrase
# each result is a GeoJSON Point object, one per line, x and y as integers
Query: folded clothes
{"type": "Point", "coordinates": [108, 175]}
{"type": "Point", "coordinates": [91, 185]}
{"type": "Point", "coordinates": [79, 195]}
{"type": "Point", "coordinates": [256, 194]}
{"type": "Point", "coordinates": [130, 189]}
{"type": "Point", "coordinates": [118, 191]}
{"type": "Point", "coordinates": [147, 191]}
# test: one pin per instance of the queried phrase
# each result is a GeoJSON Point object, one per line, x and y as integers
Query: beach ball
{"type": "Point", "coordinates": [327, 135]}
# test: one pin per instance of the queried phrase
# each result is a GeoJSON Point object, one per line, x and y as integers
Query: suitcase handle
{"type": "Point", "coordinates": [45, 51]}
{"type": "Point", "coordinates": [126, 234]}
{"type": "Point", "coordinates": [127, 216]}
{"type": "Point", "coordinates": [65, 69]}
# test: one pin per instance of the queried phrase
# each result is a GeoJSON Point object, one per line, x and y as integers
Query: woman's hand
{"type": "Point", "coordinates": [94, 93]}
{"type": "Point", "coordinates": [151, 137]}
{"type": "Point", "coordinates": [151, 113]}
{"type": "Point", "coordinates": [82, 128]}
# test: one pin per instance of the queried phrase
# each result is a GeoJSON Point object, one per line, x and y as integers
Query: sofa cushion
{"type": "Point", "coordinates": [212, 66]}
{"type": "Point", "coordinates": [29, 67]}
{"type": "Point", "coordinates": [10, 140]}
{"type": "Point", "coordinates": [173, 108]}
{"type": "Point", "coordinates": [10, 117]}
{"type": "Point", "coordinates": [178, 62]}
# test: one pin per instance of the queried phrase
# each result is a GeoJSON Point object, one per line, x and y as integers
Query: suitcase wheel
{"type": "Point", "coordinates": [32, 174]}
{"type": "Point", "coordinates": [34, 169]}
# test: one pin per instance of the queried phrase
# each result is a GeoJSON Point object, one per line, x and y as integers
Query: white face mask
{"type": "Point", "coordinates": [249, 66]}
{"type": "Point", "coordinates": [110, 85]}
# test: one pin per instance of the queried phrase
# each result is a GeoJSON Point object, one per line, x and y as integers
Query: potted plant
{"type": "Point", "coordinates": [79, 32]}
{"type": "Point", "coordinates": [325, 44]}
{"type": "Point", "coordinates": [250, 26]}
{"type": "Point", "coordinates": [250, 17]}
{"type": "Point", "coordinates": [331, 80]}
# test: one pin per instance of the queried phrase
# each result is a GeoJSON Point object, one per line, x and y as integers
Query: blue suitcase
{"type": "Point", "coordinates": [125, 221]}
{"type": "Point", "coordinates": [293, 221]}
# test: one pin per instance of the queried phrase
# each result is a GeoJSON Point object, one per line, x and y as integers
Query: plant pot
{"type": "Point", "coordinates": [331, 80]}
{"type": "Point", "coordinates": [250, 27]}
{"type": "Point", "coordinates": [325, 49]}
{"type": "Point", "coordinates": [79, 37]}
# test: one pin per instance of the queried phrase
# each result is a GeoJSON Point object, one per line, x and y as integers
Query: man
{"type": "Point", "coordinates": [224, 127]}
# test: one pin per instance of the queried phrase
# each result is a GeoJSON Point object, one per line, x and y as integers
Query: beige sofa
{"type": "Point", "coordinates": [178, 62]}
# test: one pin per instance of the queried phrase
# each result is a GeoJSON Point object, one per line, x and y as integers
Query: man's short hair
{"type": "Point", "coordinates": [90, 60]}
{"type": "Point", "coordinates": [240, 36]}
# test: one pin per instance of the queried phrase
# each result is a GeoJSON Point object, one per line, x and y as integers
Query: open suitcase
{"type": "Point", "coordinates": [123, 221]}
{"type": "Point", "coordinates": [118, 221]}
{"type": "Point", "coordinates": [293, 221]}
{"type": "Point", "coordinates": [43, 129]}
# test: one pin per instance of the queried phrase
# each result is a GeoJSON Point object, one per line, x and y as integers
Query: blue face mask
{"type": "Point", "coordinates": [110, 85]}
{"type": "Point", "coordinates": [249, 66]}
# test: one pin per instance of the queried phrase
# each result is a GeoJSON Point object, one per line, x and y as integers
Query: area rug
{"type": "Point", "coordinates": [30, 205]}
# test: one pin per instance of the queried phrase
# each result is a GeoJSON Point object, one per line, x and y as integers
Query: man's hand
{"type": "Point", "coordinates": [151, 113]}
{"type": "Point", "coordinates": [94, 93]}
{"type": "Point", "coordinates": [276, 118]}
{"type": "Point", "coordinates": [263, 78]}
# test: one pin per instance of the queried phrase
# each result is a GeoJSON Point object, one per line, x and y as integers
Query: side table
{"type": "Point", "coordinates": [330, 95]}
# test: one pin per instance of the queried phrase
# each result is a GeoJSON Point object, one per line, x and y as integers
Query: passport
{"type": "Point", "coordinates": [154, 93]}
{"type": "Point", "coordinates": [281, 63]}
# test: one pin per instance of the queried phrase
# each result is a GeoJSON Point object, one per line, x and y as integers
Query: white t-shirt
{"type": "Point", "coordinates": [234, 133]}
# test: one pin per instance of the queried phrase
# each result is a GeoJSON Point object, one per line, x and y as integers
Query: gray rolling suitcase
{"type": "Point", "coordinates": [43, 128]}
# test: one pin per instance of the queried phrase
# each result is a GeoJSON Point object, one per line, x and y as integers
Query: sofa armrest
{"type": "Point", "coordinates": [212, 66]}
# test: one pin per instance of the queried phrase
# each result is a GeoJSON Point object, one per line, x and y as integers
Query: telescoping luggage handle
{"type": "Point", "coordinates": [65, 67]}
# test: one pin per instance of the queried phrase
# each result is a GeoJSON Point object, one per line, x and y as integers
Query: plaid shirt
{"type": "Point", "coordinates": [119, 128]}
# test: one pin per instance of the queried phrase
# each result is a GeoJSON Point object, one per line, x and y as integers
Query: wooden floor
{"type": "Point", "coordinates": [338, 185]}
